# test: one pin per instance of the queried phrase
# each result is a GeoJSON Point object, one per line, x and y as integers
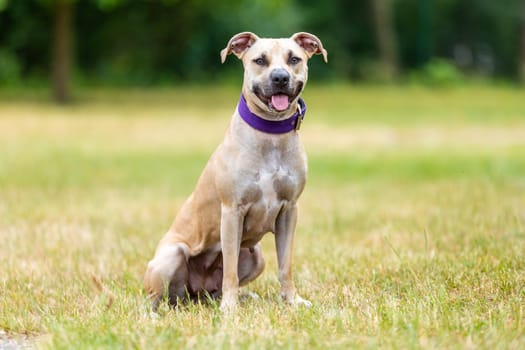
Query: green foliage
{"type": "Point", "coordinates": [438, 73]}
{"type": "Point", "coordinates": [166, 41]}
{"type": "Point", "coordinates": [108, 5]}
{"type": "Point", "coordinates": [3, 4]}
{"type": "Point", "coordinates": [10, 70]}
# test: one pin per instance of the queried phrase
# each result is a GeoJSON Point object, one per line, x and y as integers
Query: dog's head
{"type": "Point", "coordinates": [275, 70]}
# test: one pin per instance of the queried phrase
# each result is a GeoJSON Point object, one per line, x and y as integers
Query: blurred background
{"type": "Point", "coordinates": [69, 43]}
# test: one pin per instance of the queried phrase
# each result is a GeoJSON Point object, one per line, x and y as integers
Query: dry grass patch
{"type": "Point", "coordinates": [411, 231]}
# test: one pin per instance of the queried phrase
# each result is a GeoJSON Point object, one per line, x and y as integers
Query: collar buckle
{"type": "Point", "coordinates": [300, 116]}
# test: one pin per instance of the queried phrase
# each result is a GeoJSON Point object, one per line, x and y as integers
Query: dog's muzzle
{"type": "Point", "coordinates": [278, 93]}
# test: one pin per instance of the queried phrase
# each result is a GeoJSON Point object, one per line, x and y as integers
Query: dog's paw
{"type": "Point", "coordinates": [247, 295]}
{"type": "Point", "coordinates": [296, 300]}
{"type": "Point", "coordinates": [229, 305]}
{"type": "Point", "coordinates": [152, 315]}
{"type": "Point", "coordinates": [302, 302]}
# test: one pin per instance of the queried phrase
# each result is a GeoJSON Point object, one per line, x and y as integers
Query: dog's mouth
{"type": "Point", "coordinates": [279, 101]}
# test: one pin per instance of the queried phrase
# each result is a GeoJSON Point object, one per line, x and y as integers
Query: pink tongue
{"type": "Point", "coordinates": [280, 102]}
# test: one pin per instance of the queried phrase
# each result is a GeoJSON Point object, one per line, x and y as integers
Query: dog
{"type": "Point", "coordinates": [249, 187]}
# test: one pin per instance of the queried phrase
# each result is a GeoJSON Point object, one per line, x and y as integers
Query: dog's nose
{"type": "Point", "coordinates": [279, 77]}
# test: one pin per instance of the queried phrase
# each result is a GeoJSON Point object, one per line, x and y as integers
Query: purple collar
{"type": "Point", "coordinates": [272, 126]}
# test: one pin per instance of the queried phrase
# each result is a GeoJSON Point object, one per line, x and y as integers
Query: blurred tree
{"type": "Point", "coordinates": [386, 37]}
{"type": "Point", "coordinates": [347, 31]}
{"type": "Point", "coordinates": [521, 61]}
{"type": "Point", "coordinates": [148, 39]}
{"type": "Point", "coordinates": [165, 41]}
{"type": "Point", "coordinates": [62, 55]}
{"type": "Point", "coordinates": [425, 31]}
{"type": "Point", "coordinates": [62, 50]}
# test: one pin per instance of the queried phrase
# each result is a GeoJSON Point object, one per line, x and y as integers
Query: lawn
{"type": "Point", "coordinates": [411, 230]}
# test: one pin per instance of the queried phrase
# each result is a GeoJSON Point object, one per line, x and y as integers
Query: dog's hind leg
{"type": "Point", "coordinates": [251, 264]}
{"type": "Point", "coordinates": [167, 274]}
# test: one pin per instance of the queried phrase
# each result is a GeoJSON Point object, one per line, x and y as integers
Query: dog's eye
{"type": "Point", "coordinates": [294, 60]}
{"type": "Point", "coordinates": [260, 61]}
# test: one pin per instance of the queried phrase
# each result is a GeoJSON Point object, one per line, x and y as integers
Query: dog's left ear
{"type": "Point", "coordinates": [238, 44]}
{"type": "Point", "coordinates": [311, 44]}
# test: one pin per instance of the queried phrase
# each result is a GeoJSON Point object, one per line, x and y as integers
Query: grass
{"type": "Point", "coordinates": [411, 231]}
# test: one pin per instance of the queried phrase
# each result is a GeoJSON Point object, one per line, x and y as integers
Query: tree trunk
{"type": "Point", "coordinates": [62, 50]}
{"type": "Point", "coordinates": [521, 60]}
{"type": "Point", "coordinates": [425, 30]}
{"type": "Point", "coordinates": [386, 38]}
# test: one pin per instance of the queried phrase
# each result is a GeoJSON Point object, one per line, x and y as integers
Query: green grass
{"type": "Point", "coordinates": [411, 231]}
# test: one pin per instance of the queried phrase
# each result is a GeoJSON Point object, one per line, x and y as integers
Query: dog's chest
{"type": "Point", "coordinates": [277, 182]}
{"type": "Point", "coordinates": [276, 185]}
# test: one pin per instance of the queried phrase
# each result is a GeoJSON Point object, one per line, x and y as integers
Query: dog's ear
{"type": "Point", "coordinates": [238, 44]}
{"type": "Point", "coordinates": [311, 44]}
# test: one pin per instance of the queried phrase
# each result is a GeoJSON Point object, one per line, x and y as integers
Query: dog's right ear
{"type": "Point", "coordinates": [238, 44]}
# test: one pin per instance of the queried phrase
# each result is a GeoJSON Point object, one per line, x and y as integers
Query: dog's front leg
{"type": "Point", "coordinates": [284, 235]}
{"type": "Point", "coordinates": [231, 232]}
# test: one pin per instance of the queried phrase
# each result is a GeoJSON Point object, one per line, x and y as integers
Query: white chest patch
{"type": "Point", "coordinates": [266, 183]}
{"type": "Point", "coordinates": [277, 188]}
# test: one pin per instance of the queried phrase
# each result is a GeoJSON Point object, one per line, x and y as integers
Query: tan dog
{"type": "Point", "coordinates": [249, 187]}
